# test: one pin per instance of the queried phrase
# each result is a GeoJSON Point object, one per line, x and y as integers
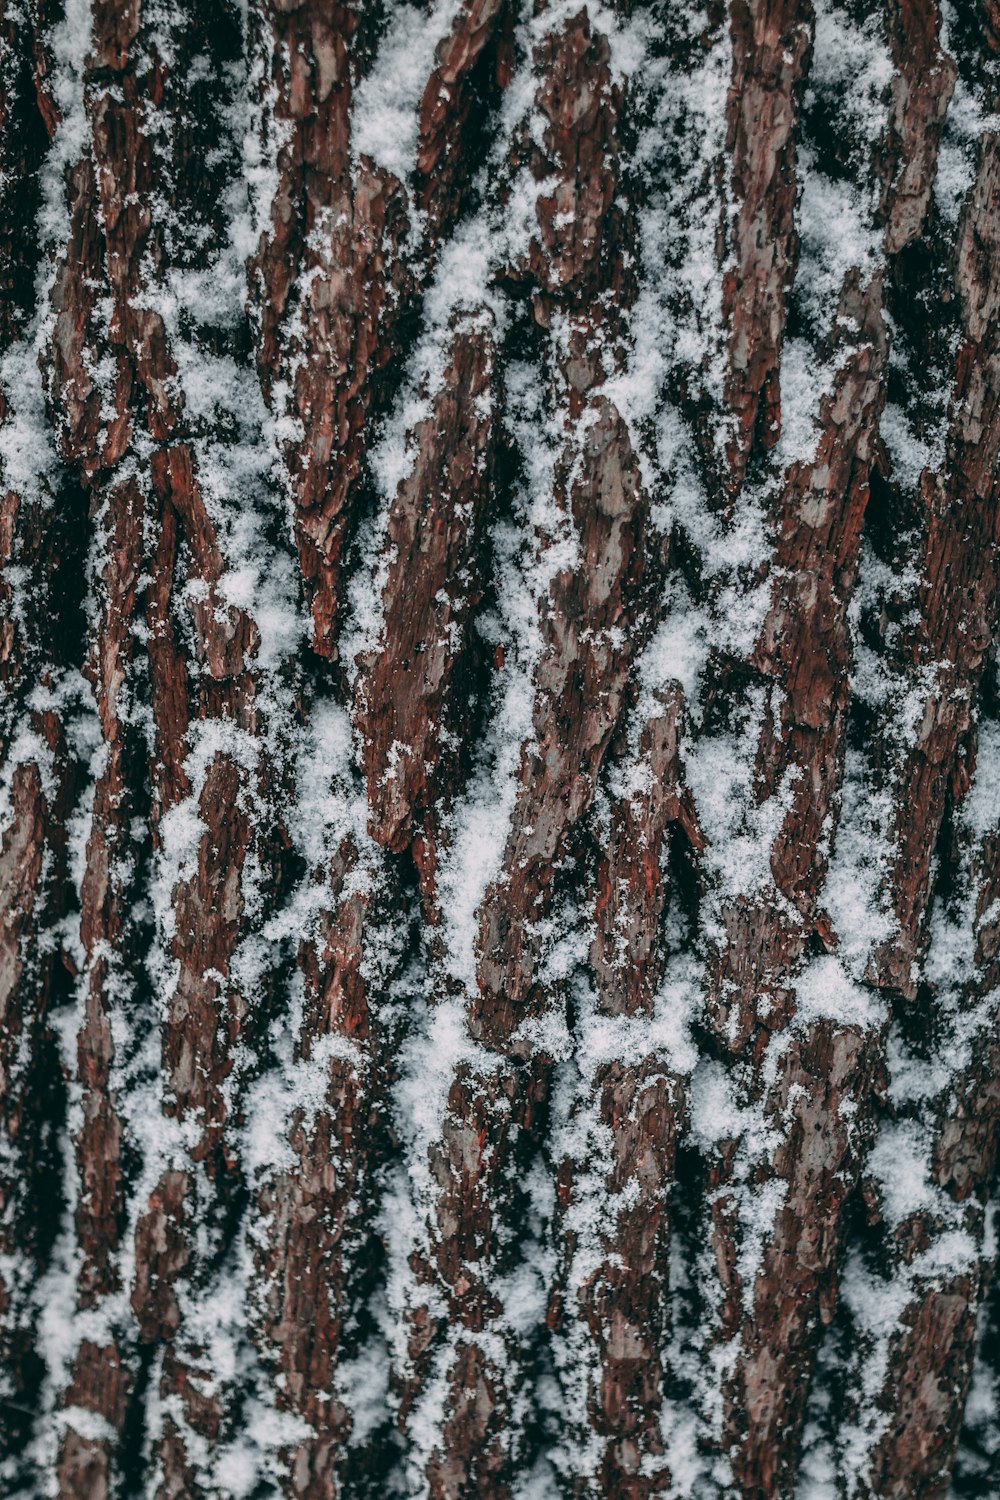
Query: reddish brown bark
{"type": "Point", "coordinates": [498, 868]}
{"type": "Point", "coordinates": [825, 1076]}
{"type": "Point", "coordinates": [771, 44]}
{"type": "Point", "coordinates": [472, 67]}
{"type": "Point", "coordinates": [416, 694]}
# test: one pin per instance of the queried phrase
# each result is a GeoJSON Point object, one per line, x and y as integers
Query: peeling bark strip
{"type": "Point", "coordinates": [499, 748]}
{"type": "Point", "coordinates": [416, 693]}
{"type": "Point", "coordinates": [473, 66]}
{"type": "Point", "coordinates": [331, 282]}
{"type": "Point", "coordinates": [461, 1348]}
{"type": "Point", "coordinates": [921, 93]}
{"type": "Point", "coordinates": [771, 44]}
{"type": "Point", "coordinates": [771, 1315]}
{"type": "Point", "coordinates": [326, 282]}
{"type": "Point", "coordinates": [613, 1319]}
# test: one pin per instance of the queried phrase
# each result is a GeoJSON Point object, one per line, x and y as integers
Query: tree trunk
{"type": "Point", "coordinates": [499, 749]}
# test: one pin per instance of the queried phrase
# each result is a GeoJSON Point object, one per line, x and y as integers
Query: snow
{"type": "Point", "coordinates": [966, 121]}
{"type": "Point", "coordinates": [899, 1162]}
{"type": "Point", "coordinates": [740, 830]}
{"type": "Point", "coordinates": [384, 114]}
{"type": "Point", "coordinates": [804, 383]}
{"type": "Point", "coordinates": [851, 892]}
{"type": "Point", "coordinates": [27, 453]}
{"type": "Point", "coordinates": [528, 553]}
{"type": "Point", "coordinates": [852, 63]}
{"type": "Point", "coordinates": [363, 1384]}
{"type": "Point", "coordinates": [677, 652]}
{"type": "Point", "coordinates": [838, 234]}
{"type": "Point", "coordinates": [980, 812]}
{"type": "Point", "coordinates": [679, 308]}
{"type": "Point", "coordinates": [825, 991]}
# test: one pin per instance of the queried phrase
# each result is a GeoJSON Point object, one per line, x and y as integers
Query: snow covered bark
{"type": "Point", "coordinates": [499, 748]}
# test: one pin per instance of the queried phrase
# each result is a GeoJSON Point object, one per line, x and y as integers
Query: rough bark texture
{"type": "Point", "coordinates": [499, 749]}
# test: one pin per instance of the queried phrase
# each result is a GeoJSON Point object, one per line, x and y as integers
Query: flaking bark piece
{"type": "Point", "coordinates": [479, 1167]}
{"type": "Point", "coordinates": [803, 652]}
{"type": "Point", "coordinates": [413, 698]}
{"type": "Point", "coordinates": [327, 284]}
{"type": "Point", "coordinates": [938, 1258]}
{"type": "Point", "coordinates": [922, 87]}
{"type": "Point", "coordinates": [772, 43]}
{"type": "Point", "coordinates": [580, 263]}
{"type": "Point", "coordinates": [594, 624]}
{"type": "Point", "coordinates": [339, 343]}
{"type": "Point", "coordinates": [626, 953]}
{"type": "Point", "coordinates": [616, 1350]}
{"type": "Point", "coordinates": [819, 1103]}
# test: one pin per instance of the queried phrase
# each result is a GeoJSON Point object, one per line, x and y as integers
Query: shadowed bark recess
{"type": "Point", "coordinates": [498, 749]}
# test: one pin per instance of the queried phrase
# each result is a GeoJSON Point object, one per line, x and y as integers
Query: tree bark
{"type": "Point", "coordinates": [499, 749]}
